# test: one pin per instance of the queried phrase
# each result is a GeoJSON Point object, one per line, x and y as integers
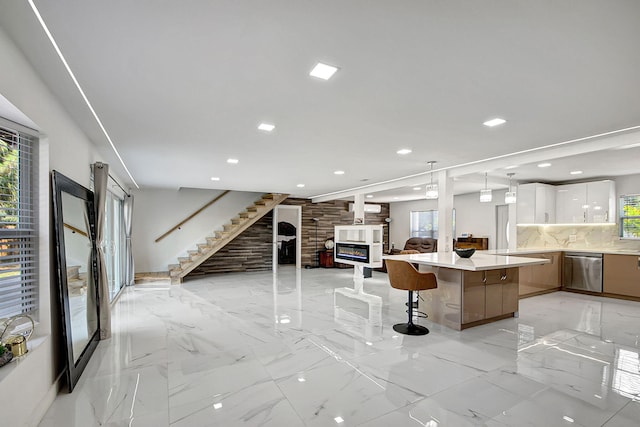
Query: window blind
{"type": "Point", "coordinates": [18, 224]}
{"type": "Point", "coordinates": [630, 216]}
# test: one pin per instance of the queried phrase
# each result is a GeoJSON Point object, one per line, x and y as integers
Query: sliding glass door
{"type": "Point", "coordinates": [114, 244]}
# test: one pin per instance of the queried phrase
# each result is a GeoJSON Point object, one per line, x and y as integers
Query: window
{"type": "Point", "coordinates": [18, 224]}
{"type": "Point", "coordinates": [630, 216]}
{"type": "Point", "coordinates": [424, 224]}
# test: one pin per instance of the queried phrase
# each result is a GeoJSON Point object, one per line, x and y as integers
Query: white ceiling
{"type": "Point", "coordinates": [182, 86]}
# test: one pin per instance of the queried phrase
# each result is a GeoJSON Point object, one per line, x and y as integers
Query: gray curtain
{"type": "Point", "coordinates": [100, 179]}
{"type": "Point", "coordinates": [128, 214]}
{"type": "Point", "coordinates": [92, 297]}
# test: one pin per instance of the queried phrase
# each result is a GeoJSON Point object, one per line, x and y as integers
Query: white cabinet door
{"type": "Point", "coordinates": [526, 202]}
{"type": "Point", "coordinates": [571, 200]}
{"type": "Point", "coordinates": [545, 212]}
{"type": "Point", "coordinates": [601, 201]}
{"type": "Point", "coordinates": [536, 204]}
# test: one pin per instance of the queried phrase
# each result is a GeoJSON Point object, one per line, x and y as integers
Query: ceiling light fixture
{"type": "Point", "coordinates": [494, 122]}
{"type": "Point", "coordinates": [323, 71]}
{"type": "Point", "coordinates": [511, 167]}
{"type": "Point", "coordinates": [417, 188]}
{"type": "Point", "coordinates": [267, 127]}
{"type": "Point", "coordinates": [369, 196]}
{"type": "Point", "coordinates": [339, 173]}
{"type": "Point", "coordinates": [215, 178]}
{"type": "Point", "coordinates": [485, 195]}
{"type": "Point", "coordinates": [338, 420]}
{"type": "Point", "coordinates": [510, 196]}
{"type": "Point", "coordinates": [575, 172]}
{"type": "Point", "coordinates": [403, 151]}
{"type": "Point", "coordinates": [544, 165]}
{"type": "Point", "coordinates": [233, 161]}
{"type": "Point", "coordinates": [431, 192]}
{"type": "Point", "coordinates": [300, 185]}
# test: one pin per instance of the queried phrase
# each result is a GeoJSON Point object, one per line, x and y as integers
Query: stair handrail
{"type": "Point", "coordinates": [187, 219]}
{"type": "Point", "coordinates": [75, 229]}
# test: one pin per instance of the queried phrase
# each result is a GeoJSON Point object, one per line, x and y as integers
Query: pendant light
{"type": "Point", "coordinates": [510, 196]}
{"type": "Point", "coordinates": [485, 195]}
{"type": "Point", "coordinates": [432, 189]}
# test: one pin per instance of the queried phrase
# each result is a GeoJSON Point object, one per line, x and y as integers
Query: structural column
{"type": "Point", "coordinates": [445, 212]}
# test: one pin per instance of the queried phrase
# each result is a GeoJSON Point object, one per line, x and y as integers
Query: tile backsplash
{"type": "Point", "coordinates": [576, 236]}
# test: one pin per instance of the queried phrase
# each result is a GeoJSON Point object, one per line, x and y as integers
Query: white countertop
{"type": "Point", "coordinates": [481, 260]}
{"type": "Point", "coordinates": [524, 251]}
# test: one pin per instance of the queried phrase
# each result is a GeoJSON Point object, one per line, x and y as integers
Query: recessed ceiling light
{"type": "Point", "coordinates": [300, 185]}
{"type": "Point", "coordinates": [575, 172]}
{"type": "Point", "coordinates": [494, 122]}
{"type": "Point", "coordinates": [338, 420]}
{"type": "Point", "coordinates": [215, 178]}
{"type": "Point", "coordinates": [217, 405]}
{"type": "Point", "coordinates": [417, 188]}
{"type": "Point", "coordinates": [232, 161]}
{"type": "Point", "coordinates": [396, 198]}
{"type": "Point", "coordinates": [339, 172]}
{"type": "Point", "coordinates": [369, 196]}
{"type": "Point", "coordinates": [266, 127]}
{"type": "Point", "coordinates": [301, 379]}
{"type": "Point", "coordinates": [404, 151]}
{"type": "Point", "coordinates": [323, 71]}
{"type": "Point", "coordinates": [544, 165]}
{"type": "Point", "coordinates": [511, 167]}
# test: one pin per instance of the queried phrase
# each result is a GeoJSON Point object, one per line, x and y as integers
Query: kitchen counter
{"type": "Point", "coordinates": [471, 291]}
{"type": "Point", "coordinates": [480, 261]}
{"type": "Point", "coordinates": [525, 251]}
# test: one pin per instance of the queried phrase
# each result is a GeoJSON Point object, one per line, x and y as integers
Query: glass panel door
{"type": "Point", "coordinates": [114, 241]}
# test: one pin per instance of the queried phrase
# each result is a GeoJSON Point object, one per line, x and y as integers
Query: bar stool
{"type": "Point", "coordinates": [404, 276]}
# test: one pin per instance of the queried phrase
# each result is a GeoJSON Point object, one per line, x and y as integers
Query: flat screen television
{"type": "Point", "coordinates": [352, 252]}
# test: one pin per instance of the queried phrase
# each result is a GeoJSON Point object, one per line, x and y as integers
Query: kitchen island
{"type": "Point", "coordinates": [471, 291]}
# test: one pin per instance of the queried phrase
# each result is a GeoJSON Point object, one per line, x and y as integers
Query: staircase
{"type": "Point", "coordinates": [221, 238]}
{"type": "Point", "coordinates": [76, 281]}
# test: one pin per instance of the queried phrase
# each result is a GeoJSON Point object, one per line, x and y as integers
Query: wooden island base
{"type": "Point", "coordinates": [465, 299]}
{"type": "Point", "coordinates": [471, 291]}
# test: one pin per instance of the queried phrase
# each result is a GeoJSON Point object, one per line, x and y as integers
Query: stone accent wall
{"type": "Point", "coordinates": [330, 214]}
{"type": "Point", "coordinates": [252, 251]}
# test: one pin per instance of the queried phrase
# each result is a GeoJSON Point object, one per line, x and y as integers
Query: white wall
{"type": "Point", "coordinates": [156, 211]}
{"type": "Point", "coordinates": [400, 214]}
{"type": "Point", "coordinates": [65, 148]}
{"type": "Point", "coordinates": [472, 217]}
{"type": "Point", "coordinates": [477, 218]}
{"type": "Point", "coordinates": [628, 184]}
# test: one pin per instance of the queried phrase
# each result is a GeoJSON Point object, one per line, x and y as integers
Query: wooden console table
{"type": "Point", "coordinates": [479, 243]}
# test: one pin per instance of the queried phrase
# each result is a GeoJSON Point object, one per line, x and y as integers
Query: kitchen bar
{"type": "Point", "coordinates": [471, 291]}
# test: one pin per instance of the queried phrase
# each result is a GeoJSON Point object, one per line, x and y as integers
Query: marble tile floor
{"type": "Point", "coordinates": [258, 349]}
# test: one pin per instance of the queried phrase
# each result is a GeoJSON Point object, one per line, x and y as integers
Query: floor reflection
{"type": "Point", "coordinates": [304, 348]}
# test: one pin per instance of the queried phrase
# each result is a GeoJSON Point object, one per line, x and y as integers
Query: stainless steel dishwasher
{"type": "Point", "coordinates": [583, 271]}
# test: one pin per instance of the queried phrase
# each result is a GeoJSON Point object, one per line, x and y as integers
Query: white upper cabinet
{"type": "Point", "coordinates": [536, 204]}
{"type": "Point", "coordinates": [601, 201]}
{"type": "Point", "coordinates": [586, 202]}
{"type": "Point", "coordinates": [571, 200]}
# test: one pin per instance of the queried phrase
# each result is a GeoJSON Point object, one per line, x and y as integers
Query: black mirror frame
{"type": "Point", "coordinates": [64, 184]}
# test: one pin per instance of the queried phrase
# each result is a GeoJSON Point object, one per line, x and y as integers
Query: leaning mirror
{"type": "Point", "coordinates": [76, 270]}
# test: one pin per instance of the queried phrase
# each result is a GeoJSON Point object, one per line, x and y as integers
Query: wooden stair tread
{"type": "Point", "coordinates": [222, 237]}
